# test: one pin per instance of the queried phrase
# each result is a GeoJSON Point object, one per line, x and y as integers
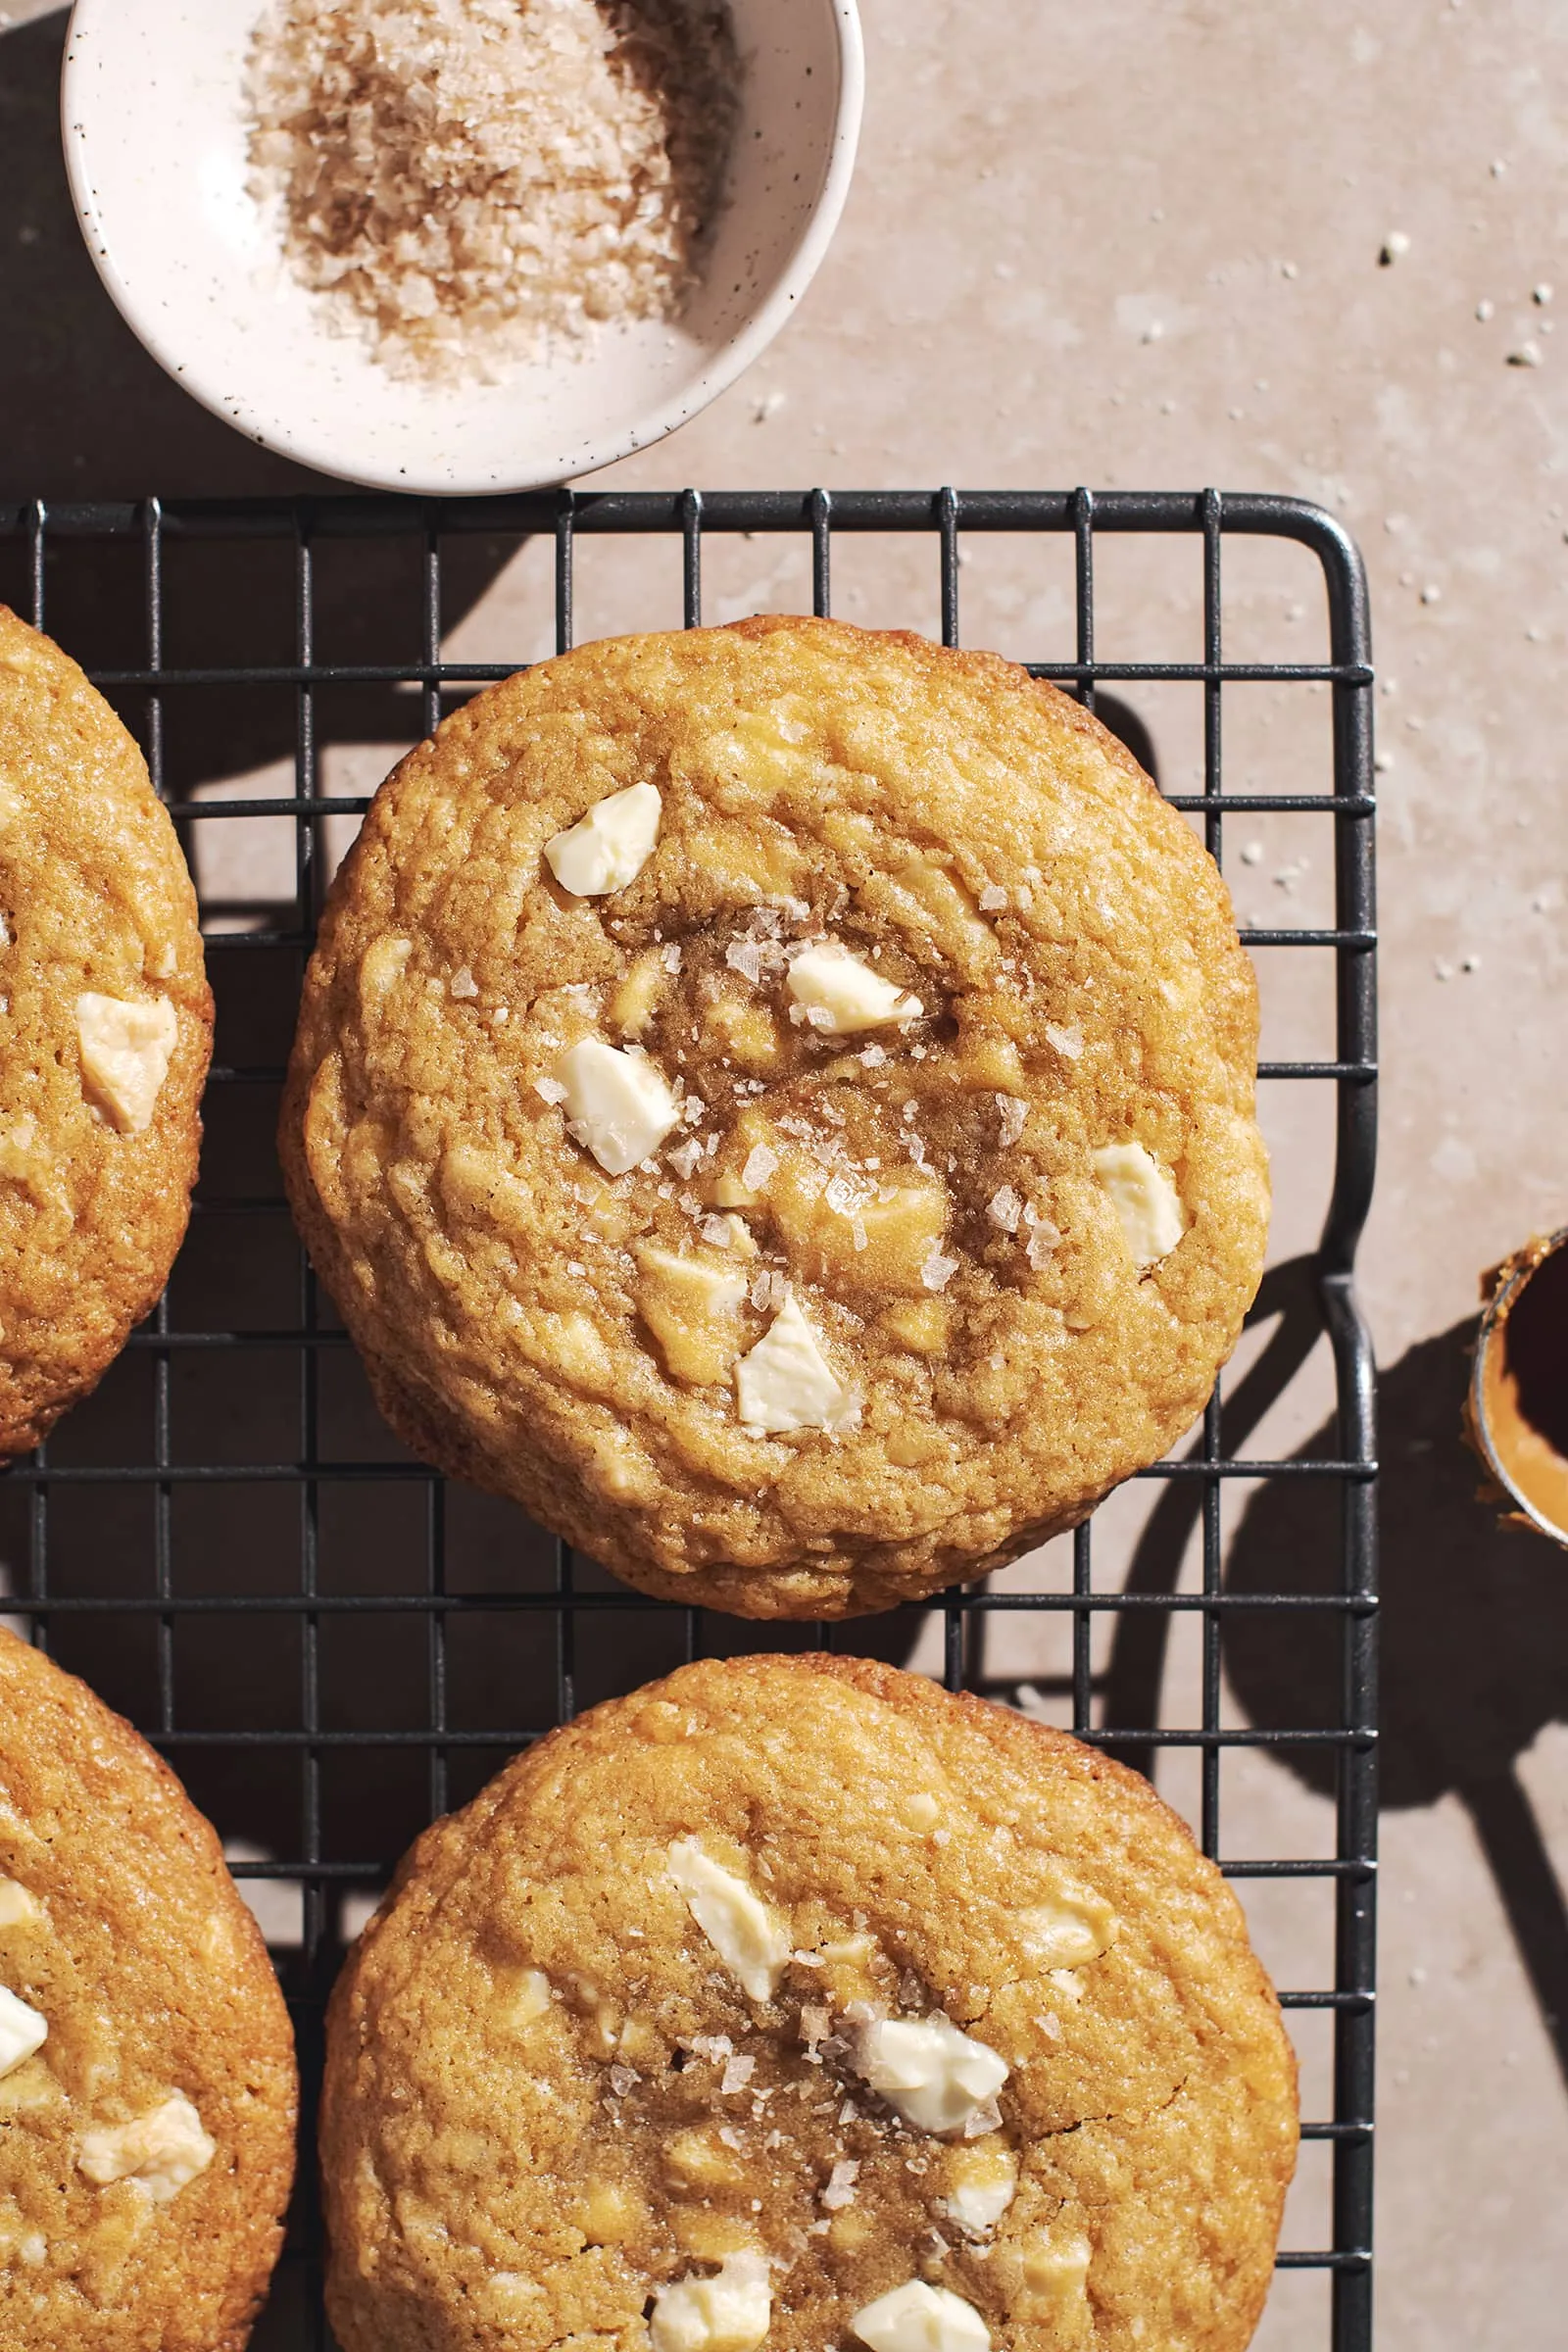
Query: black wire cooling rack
{"type": "Point", "coordinates": [334, 1647]}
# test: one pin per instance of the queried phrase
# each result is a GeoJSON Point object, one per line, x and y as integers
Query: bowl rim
{"type": "Point", "coordinates": [317, 451]}
{"type": "Point", "coordinates": [1495, 1313]}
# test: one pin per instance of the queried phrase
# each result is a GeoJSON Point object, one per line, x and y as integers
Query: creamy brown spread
{"type": "Point", "coordinates": [1525, 1388]}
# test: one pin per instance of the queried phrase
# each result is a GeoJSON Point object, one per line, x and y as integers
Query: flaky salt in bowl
{"type": "Point", "coordinates": [634, 328]}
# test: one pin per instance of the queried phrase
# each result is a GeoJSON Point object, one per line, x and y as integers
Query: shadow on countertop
{"type": "Point", "coordinates": [1474, 1622]}
{"type": "Point", "coordinates": [1474, 1641]}
{"type": "Point", "coordinates": [85, 413]}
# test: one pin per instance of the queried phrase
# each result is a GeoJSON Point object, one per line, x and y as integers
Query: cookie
{"type": "Point", "coordinates": [147, 2082]}
{"type": "Point", "coordinates": [777, 1102]}
{"type": "Point", "coordinates": [791, 2001]}
{"type": "Point", "coordinates": [105, 1034]}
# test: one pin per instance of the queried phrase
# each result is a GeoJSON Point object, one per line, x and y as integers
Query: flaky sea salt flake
{"type": "Point", "coordinates": [1015, 1116]}
{"type": "Point", "coordinates": [840, 2189]}
{"type": "Point", "coordinates": [1003, 1209]}
{"type": "Point", "coordinates": [761, 1163]}
{"type": "Point", "coordinates": [938, 1271]}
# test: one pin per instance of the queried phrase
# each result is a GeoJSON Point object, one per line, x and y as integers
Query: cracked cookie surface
{"type": "Point", "coordinates": [849, 1178]}
{"type": "Point", "coordinates": [105, 1032]}
{"type": "Point", "coordinates": [783, 1985]}
{"type": "Point", "coordinates": [147, 2111]}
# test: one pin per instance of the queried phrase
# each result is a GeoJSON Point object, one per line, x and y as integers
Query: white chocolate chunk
{"type": "Point", "coordinates": [917, 2318]}
{"type": "Point", "coordinates": [22, 2032]}
{"type": "Point", "coordinates": [786, 1382]}
{"type": "Point", "coordinates": [752, 1943]}
{"type": "Point", "coordinates": [125, 1055]}
{"type": "Point", "coordinates": [529, 1998]}
{"type": "Point", "coordinates": [1050, 2280]}
{"type": "Point", "coordinates": [841, 994]}
{"type": "Point", "coordinates": [984, 2182]}
{"type": "Point", "coordinates": [1144, 1199]}
{"type": "Point", "coordinates": [608, 847]}
{"type": "Point", "coordinates": [1069, 1931]}
{"type": "Point", "coordinates": [935, 2077]}
{"type": "Point", "coordinates": [16, 1906]}
{"type": "Point", "coordinates": [727, 2313]}
{"type": "Point", "coordinates": [163, 2149]}
{"type": "Point", "coordinates": [616, 1103]}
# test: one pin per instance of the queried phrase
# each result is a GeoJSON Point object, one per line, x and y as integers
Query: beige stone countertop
{"type": "Point", "coordinates": [1138, 245]}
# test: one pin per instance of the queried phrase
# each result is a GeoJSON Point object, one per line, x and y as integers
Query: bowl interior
{"type": "Point", "coordinates": [155, 141]}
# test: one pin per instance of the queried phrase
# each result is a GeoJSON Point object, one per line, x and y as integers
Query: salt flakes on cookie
{"type": "Point", "coordinates": [818, 1021]}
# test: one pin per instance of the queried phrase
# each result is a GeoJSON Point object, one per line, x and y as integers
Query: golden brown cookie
{"type": "Point", "coordinates": [147, 2082]}
{"type": "Point", "coordinates": [105, 1034]}
{"type": "Point", "coordinates": [777, 1101]}
{"type": "Point", "coordinates": [791, 2001]}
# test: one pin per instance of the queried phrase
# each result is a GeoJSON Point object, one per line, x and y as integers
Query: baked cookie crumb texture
{"type": "Point", "coordinates": [147, 2082]}
{"type": "Point", "coordinates": [793, 2002]}
{"type": "Point", "coordinates": [105, 1034]}
{"type": "Point", "coordinates": [777, 1101]}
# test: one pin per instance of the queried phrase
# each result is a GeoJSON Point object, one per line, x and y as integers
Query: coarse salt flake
{"type": "Point", "coordinates": [938, 1271]}
{"type": "Point", "coordinates": [464, 179]}
{"type": "Point", "coordinates": [1044, 1237]}
{"type": "Point", "coordinates": [1014, 1115]}
{"type": "Point", "coordinates": [761, 1163]}
{"type": "Point", "coordinates": [1003, 1209]}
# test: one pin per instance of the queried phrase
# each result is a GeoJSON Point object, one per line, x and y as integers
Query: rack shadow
{"type": "Point", "coordinates": [1474, 1634]}
{"type": "Point", "coordinates": [86, 414]}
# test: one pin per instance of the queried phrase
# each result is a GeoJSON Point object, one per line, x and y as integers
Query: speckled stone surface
{"type": "Point", "coordinates": [1039, 190]}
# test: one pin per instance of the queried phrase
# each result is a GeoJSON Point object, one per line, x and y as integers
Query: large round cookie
{"type": "Point", "coordinates": [147, 2083]}
{"type": "Point", "coordinates": [786, 1986]}
{"type": "Point", "coordinates": [916, 1026]}
{"type": "Point", "coordinates": [104, 1032]}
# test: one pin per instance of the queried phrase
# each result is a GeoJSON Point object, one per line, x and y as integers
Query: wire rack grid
{"type": "Point", "coordinates": [127, 1533]}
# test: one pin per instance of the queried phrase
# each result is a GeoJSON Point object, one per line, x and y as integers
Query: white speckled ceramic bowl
{"type": "Point", "coordinates": [155, 140]}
